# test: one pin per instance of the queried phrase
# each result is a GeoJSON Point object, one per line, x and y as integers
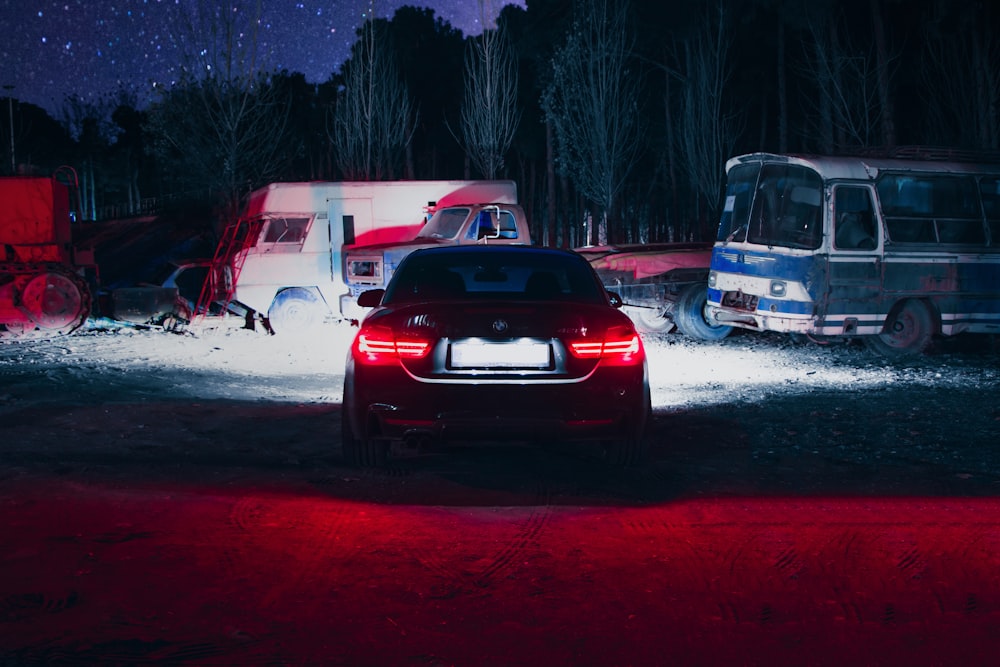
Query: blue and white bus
{"type": "Point", "coordinates": [896, 251]}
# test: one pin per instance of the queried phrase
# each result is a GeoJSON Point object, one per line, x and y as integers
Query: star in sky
{"type": "Point", "coordinates": [90, 48]}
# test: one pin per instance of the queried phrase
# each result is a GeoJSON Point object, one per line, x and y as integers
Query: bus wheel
{"type": "Point", "coordinates": [295, 309]}
{"type": "Point", "coordinates": [909, 331]}
{"type": "Point", "coordinates": [690, 315]}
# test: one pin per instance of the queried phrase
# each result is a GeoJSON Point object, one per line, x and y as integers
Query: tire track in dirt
{"type": "Point", "coordinates": [476, 576]}
{"type": "Point", "coordinates": [137, 653]}
{"type": "Point", "coordinates": [22, 606]}
{"type": "Point", "coordinates": [310, 536]}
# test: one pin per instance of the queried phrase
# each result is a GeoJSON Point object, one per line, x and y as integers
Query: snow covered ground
{"type": "Point", "coordinates": [221, 359]}
{"type": "Point", "coordinates": [761, 396]}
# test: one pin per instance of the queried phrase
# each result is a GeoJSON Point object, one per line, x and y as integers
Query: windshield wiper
{"type": "Point", "coordinates": [736, 231]}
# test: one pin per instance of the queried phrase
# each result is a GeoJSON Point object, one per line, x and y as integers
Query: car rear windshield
{"type": "Point", "coordinates": [527, 276]}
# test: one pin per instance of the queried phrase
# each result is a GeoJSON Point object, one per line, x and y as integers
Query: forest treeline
{"type": "Point", "coordinates": [614, 117]}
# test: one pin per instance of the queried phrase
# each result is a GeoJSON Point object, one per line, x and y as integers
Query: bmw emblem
{"type": "Point", "coordinates": [500, 326]}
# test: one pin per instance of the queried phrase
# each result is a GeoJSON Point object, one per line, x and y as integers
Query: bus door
{"type": "Point", "coordinates": [854, 301]}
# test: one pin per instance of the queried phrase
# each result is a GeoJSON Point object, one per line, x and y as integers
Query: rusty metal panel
{"type": "Point", "coordinates": [34, 211]}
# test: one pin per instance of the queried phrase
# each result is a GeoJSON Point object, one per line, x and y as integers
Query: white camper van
{"type": "Point", "coordinates": [286, 253]}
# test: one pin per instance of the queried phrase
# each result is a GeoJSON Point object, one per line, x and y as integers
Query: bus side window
{"type": "Point", "coordinates": [989, 189]}
{"type": "Point", "coordinates": [961, 231]}
{"type": "Point", "coordinates": [854, 219]}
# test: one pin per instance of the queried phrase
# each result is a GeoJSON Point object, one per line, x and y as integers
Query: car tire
{"type": "Point", "coordinates": [625, 452]}
{"type": "Point", "coordinates": [690, 315]}
{"type": "Point", "coordinates": [295, 310]}
{"type": "Point", "coordinates": [363, 452]}
{"type": "Point", "coordinates": [909, 331]}
{"type": "Point", "coordinates": [631, 447]}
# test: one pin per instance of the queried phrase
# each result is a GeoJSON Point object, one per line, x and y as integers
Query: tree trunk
{"type": "Point", "coordinates": [882, 68]}
{"type": "Point", "coordinates": [782, 93]}
{"type": "Point", "coordinates": [550, 179]}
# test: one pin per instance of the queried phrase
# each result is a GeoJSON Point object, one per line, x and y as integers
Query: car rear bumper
{"type": "Point", "coordinates": [613, 406]}
{"type": "Point", "coordinates": [449, 426]}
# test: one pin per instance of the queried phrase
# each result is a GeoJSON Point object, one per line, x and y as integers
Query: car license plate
{"type": "Point", "coordinates": [512, 354]}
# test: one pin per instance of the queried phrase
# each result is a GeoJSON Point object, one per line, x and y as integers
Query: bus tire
{"type": "Point", "coordinates": [295, 309]}
{"type": "Point", "coordinates": [909, 330]}
{"type": "Point", "coordinates": [690, 315]}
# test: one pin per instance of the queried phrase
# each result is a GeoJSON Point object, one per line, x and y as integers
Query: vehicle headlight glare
{"type": "Point", "coordinates": [778, 288]}
{"type": "Point", "coordinates": [711, 278]}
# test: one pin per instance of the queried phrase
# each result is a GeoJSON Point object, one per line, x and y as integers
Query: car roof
{"type": "Point", "coordinates": [495, 249]}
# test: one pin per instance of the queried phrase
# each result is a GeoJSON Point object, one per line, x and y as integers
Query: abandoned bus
{"type": "Point", "coordinates": [893, 250]}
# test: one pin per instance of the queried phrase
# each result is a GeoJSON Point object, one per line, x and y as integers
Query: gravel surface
{"type": "Point", "coordinates": [750, 414]}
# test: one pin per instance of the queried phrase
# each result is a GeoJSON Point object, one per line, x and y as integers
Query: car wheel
{"type": "Point", "coordinates": [295, 309]}
{"type": "Point", "coordinates": [625, 452]}
{"type": "Point", "coordinates": [630, 448]}
{"type": "Point", "coordinates": [910, 331]}
{"type": "Point", "coordinates": [690, 315]}
{"type": "Point", "coordinates": [363, 452]}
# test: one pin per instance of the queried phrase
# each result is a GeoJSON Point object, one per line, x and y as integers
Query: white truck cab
{"type": "Point", "coordinates": [286, 252]}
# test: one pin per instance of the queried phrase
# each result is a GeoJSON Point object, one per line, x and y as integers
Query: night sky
{"type": "Point", "coordinates": [52, 48]}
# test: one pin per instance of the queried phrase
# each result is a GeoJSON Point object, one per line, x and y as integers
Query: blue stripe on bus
{"type": "Point", "coordinates": [784, 307]}
{"type": "Point", "coordinates": [750, 263]}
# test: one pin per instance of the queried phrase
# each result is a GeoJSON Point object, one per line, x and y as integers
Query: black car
{"type": "Point", "coordinates": [490, 343]}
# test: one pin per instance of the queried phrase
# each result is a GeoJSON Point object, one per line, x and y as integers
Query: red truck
{"type": "Point", "coordinates": [44, 290]}
{"type": "Point", "coordinates": [663, 285]}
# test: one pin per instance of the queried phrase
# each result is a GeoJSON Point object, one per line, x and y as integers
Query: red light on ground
{"type": "Point", "coordinates": [298, 576]}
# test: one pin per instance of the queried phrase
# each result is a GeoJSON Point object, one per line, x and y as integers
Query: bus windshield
{"type": "Point", "coordinates": [774, 205]}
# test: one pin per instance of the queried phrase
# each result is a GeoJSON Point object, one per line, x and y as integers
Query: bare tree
{"type": "Point", "coordinates": [592, 103]}
{"type": "Point", "coordinates": [224, 122]}
{"type": "Point", "coordinates": [960, 78]}
{"type": "Point", "coordinates": [89, 123]}
{"type": "Point", "coordinates": [883, 59]}
{"type": "Point", "coordinates": [373, 119]}
{"type": "Point", "coordinates": [847, 105]}
{"type": "Point", "coordinates": [707, 131]}
{"type": "Point", "coordinates": [489, 106]}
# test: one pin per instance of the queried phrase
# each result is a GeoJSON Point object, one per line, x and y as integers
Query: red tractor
{"type": "Point", "coordinates": [44, 290]}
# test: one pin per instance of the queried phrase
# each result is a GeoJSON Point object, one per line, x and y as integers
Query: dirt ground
{"type": "Point", "coordinates": [180, 499]}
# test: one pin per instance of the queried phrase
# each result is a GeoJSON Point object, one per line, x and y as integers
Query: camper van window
{"type": "Point", "coordinates": [446, 223]}
{"type": "Point", "coordinates": [286, 230]}
{"type": "Point", "coordinates": [508, 227]}
{"type": "Point", "coordinates": [482, 227]}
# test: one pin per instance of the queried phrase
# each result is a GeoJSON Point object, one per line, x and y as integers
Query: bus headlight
{"type": "Point", "coordinates": [711, 278]}
{"type": "Point", "coordinates": [778, 288]}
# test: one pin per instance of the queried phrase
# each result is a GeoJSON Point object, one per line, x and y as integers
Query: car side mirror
{"type": "Point", "coordinates": [616, 300]}
{"type": "Point", "coordinates": [371, 298]}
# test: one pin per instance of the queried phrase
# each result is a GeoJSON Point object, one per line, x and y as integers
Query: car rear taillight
{"type": "Point", "coordinates": [621, 346]}
{"type": "Point", "coordinates": [381, 345]}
